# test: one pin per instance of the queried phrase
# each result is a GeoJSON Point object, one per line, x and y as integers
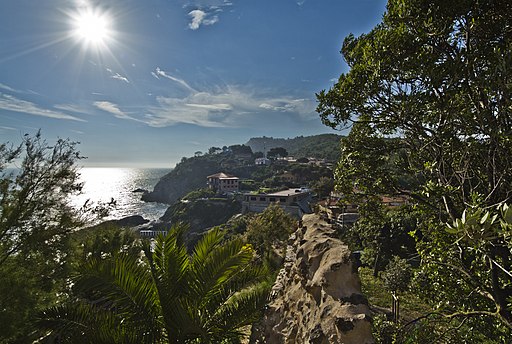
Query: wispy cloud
{"type": "Point", "coordinates": [113, 109]}
{"type": "Point", "coordinates": [160, 73]}
{"type": "Point", "coordinates": [7, 88]}
{"type": "Point", "coordinates": [11, 103]}
{"type": "Point", "coordinates": [117, 76]}
{"type": "Point", "coordinates": [200, 17]}
{"type": "Point", "coordinates": [7, 128]}
{"type": "Point", "coordinates": [72, 108]}
{"type": "Point", "coordinates": [228, 107]}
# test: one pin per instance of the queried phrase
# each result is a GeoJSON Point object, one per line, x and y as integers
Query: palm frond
{"type": "Point", "coordinates": [245, 277]}
{"type": "Point", "coordinates": [210, 272]}
{"type": "Point", "coordinates": [84, 323]}
{"type": "Point", "coordinates": [170, 267]}
{"type": "Point", "coordinates": [241, 309]}
{"type": "Point", "coordinates": [122, 285]}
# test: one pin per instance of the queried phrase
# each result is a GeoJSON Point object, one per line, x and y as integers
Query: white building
{"type": "Point", "coordinates": [294, 201]}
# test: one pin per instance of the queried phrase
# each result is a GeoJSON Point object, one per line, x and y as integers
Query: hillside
{"type": "Point", "coordinates": [324, 146]}
{"type": "Point", "coordinates": [191, 173]}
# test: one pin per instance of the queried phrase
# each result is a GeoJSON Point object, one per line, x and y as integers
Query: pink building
{"type": "Point", "coordinates": [223, 183]}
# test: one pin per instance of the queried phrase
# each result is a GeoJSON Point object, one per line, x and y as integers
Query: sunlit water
{"type": "Point", "coordinates": [101, 184]}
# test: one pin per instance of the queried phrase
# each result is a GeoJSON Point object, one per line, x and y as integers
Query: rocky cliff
{"type": "Point", "coordinates": [188, 175]}
{"type": "Point", "coordinates": [202, 214]}
{"type": "Point", "coordinates": [317, 295]}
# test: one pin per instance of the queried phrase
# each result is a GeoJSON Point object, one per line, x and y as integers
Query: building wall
{"type": "Point", "coordinates": [259, 202]}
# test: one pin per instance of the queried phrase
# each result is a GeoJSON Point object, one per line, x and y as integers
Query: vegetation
{"type": "Point", "coordinates": [269, 230]}
{"type": "Point", "coordinates": [277, 152]}
{"type": "Point", "coordinates": [324, 146]}
{"type": "Point", "coordinates": [85, 277]}
{"type": "Point", "coordinates": [165, 296]}
{"type": "Point", "coordinates": [201, 214]}
{"type": "Point", "coordinates": [35, 220]}
{"type": "Point", "coordinates": [427, 98]}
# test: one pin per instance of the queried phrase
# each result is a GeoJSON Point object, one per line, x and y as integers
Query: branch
{"type": "Point", "coordinates": [475, 282]}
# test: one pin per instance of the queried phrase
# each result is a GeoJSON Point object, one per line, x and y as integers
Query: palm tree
{"type": "Point", "coordinates": [165, 296]}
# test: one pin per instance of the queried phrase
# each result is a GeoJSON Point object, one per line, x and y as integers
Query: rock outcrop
{"type": "Point", "coordinates": [125, 222]}
{"type": "Point", "coordinates": [188, 175]}
{"type": "Point", "coordinates": [317, 295]}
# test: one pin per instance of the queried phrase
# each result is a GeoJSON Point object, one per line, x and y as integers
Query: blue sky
{"type": "Point", "coordinates": [146, 82]}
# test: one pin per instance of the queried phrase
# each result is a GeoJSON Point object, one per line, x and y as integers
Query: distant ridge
{"type": "Point", "coordinates": [323, 146]}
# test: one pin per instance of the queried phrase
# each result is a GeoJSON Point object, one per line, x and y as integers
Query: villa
{"type": "Point", "coordinates": [223, 183]}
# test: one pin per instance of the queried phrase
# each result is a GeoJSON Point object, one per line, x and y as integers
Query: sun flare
{"type": "Point", "coordinates": [92, 27]}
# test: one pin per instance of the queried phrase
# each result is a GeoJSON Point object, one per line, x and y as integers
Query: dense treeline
{"type": "Point", "coordinates": [323, 146]}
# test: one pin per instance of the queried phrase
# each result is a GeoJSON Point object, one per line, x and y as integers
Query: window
{"type": "Point", "coordinates": [262, 199]}
{"type": "Point", "coordinates": [272, 199]}
{"type": "Point", "coordinates": [253, 198]}
{"type": "Point", "coordinates": [282, 200]}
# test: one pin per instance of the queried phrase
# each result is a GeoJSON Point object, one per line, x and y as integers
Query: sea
{"type": "Point", "coordinates": [102, 184]}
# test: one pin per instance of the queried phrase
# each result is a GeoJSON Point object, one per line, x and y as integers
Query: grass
{"type": "Point", "coordinates": [411, 306]}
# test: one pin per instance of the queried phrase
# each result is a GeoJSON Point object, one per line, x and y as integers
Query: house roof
{"type": "Point", "coordinates": [284, 193]}
{"type": "Point", "coordinates": [222, 175]}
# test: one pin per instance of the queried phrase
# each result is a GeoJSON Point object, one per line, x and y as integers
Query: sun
{"type": "Point", "coordinates": [92, 27]}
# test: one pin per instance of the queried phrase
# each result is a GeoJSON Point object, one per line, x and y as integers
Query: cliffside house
{"type": "Point", "coordinates": [149, 233]}
{"type": "Point", "coordinates": [223, 183]}
{"type": "Point", "coordinates": [294, 201]}
{"type": "Point", "coordinates": [262, 161]}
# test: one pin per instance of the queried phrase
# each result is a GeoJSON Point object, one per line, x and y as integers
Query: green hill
{"type": "Point", "coordinates": [324, 146]}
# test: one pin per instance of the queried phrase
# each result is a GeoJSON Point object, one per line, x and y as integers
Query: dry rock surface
{"type": "Point", "coordinates": [317, 295]}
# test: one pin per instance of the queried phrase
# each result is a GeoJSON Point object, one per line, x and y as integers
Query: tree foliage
{"type": "Point", "coordinates": [277, 152]}
{"type": "Point", "coordinates": [35, 220]}
{"type": "Point", "coordinates": [270, 228]}
{"type": "Point", "coordinates": [167, 296]}
{"type": "Point", "coordinates": [428, 99]}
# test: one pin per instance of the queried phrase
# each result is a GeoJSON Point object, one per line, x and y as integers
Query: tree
{"type": "Point", "coordinates": [428, 95]}
{"type": "Point", "coordinates": [323, 187]}
{"type": "Point", "coordinates": [397, 277]}
{"type": "Point", "coordinates": [277, 152]}
{"type": "Point", "coordinates": [270, 229]}
{"type": "Point", "coordinates": [35, 219]}
{"type": "Point", "coordinates": [258, 155]}
{"type": "Point", "coordinates": [214, 150]}
{"type": "Point", "coordinates": [240, 149]}
{"type": "Point", "coordinates": [168, 296]}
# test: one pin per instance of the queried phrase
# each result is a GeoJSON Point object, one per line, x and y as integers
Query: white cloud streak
{"type": "Point", "coordinates": [10, 103]}
{"type": "Point", "coordinates": [160, 73]}
{"type": "Point", "coordinates": [113, 109]}
{"type": "Point", "coordinates": [7, 128]}
{"type": "Point", "coordinates": [7, 88]}
{"type": "Point", "coordinates": [225, 108]}
{"type": "Point", "coordinates": [72, 108]}
{"type": "Point", "coordinates": [118, 76]}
